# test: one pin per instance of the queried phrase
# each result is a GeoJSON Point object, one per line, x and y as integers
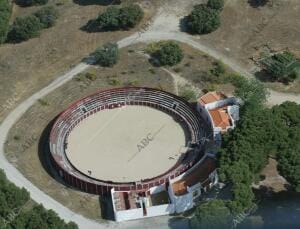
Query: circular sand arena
{"type": "Point", "coordinates": [126, 144]}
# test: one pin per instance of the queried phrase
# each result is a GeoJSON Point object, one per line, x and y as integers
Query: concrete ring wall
{"type": "Point", "coordinates": [114, 98]}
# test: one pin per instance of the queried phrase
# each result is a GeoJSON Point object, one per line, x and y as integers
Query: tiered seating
{"type": "Point", "coordinates": [112, 99]}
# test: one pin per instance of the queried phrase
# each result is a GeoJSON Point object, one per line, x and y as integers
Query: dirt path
{"type": "Point", "coordinates": [165, 26]}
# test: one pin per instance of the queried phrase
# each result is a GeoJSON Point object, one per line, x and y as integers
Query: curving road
{"type": "Point", "coordinates": [154, 33]}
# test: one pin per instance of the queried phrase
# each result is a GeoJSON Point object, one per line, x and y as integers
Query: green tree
{"type": "Point", "coordinates": [47, 16]}
{"type": "Point", "coordinates": [242, 198]}
{"type": "Point", "coordinates": [109, 20]}
{"type": "Point", "coordinates": [14, 214]}
{"type": "Point", "coordinates": [24, 28]}
{"type": "Point", "coordinates": [5, 12]}
{"type": "Point", "coordinates": [107, 55]}
{"type": "Point", "coordinates": [216, 4]}
{"type": "Point", "coordinates": [130, 16]}
{"type": "Point", "coordinates": [283, 67]}
{"type": "Point", "coordinates": [115, 18]}
{"type": "Point", "coordinates": [288, 149]}
{"type": "Point", "coordinates": [169, 53]}
{"type": "Point", "coordinates": [203, 20]}
{"type": "Point", "coordinates": [237, 172]}
{"type": "Point", "coordinates": [251, 92]}
{"type": "Point", "coordinates": [213, 214]}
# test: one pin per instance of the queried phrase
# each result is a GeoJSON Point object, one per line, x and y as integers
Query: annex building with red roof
{"type": "Point", "coordinates": [220, 111]}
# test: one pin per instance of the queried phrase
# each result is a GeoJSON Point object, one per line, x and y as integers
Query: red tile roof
{"type": "Point", "coordinates": [221, 117]}
{"type": "Point", "coordinates": [211, 97]}
{"type": "Point", "coordinates": [200, 174]}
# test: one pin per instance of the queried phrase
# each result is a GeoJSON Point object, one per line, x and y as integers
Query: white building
{"type": "Point", "coordinates": [220, 111]}
{"type": "Point", "coordinates": [176, 196]}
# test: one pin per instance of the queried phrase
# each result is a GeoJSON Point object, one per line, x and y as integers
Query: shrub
{"type": "Point", "coordinates": [108, 55]}
{"type": "Point", "coordinates": [5, 12]}
{"type": "Point", "coordinates": [154, 47]}
{"type": "Point", "coordinates": [43, 102]}
{"type": "Point", "coordinates": [215, 4]}
{"type": "Point", "coordinates": [114, 82]}
{"type": "Point", "coordinates": [130, 16]}
{"type": "Point", "coordinates": [31, 2]}
{"type": "Point", "coordinates": [203, 20]}
{"type": "Point", "coordinates": [188, 94]}
{"type": "Point", "coordinates": [24, 28]}
{"type": "Point", "coordinates": [169, 54]}
{"type": "Point", "coordinates": [90, 76]}
{"type": "Point", "coordinates": [47, 16]}
{"type": "Point", "coordinates": [219, 69]}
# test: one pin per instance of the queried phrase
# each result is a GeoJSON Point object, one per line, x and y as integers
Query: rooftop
{"type": "Point", "coordinates": [211, 97]}
{"type": "Point", "coordinates": [220, 117]}
{"type": "Point", "coordinates": [200, 174]}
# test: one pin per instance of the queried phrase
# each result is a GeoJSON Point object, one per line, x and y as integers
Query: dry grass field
{"type": "Point", "coordinates": [196, 67]}
{"type": "Point", "coordinates": [31, 65]}
{"type": "Point", "coordinates": [247, 32]}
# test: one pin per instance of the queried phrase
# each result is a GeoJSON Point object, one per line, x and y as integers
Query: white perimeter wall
{"type": "Point", "coordinates": [153, 211]}
{"type": "Point", "coordinates": [129, 214]}
{"type": "Point", "coordinates": [164, 209]}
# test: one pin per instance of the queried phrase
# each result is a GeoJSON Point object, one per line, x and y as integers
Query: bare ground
{"type": "Point", "coordinates": [273, 180]}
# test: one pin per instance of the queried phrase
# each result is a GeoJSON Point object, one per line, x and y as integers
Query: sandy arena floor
{"type": "Point", "coordinates": [126, 144]}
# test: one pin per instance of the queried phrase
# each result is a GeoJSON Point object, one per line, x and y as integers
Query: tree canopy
{"type": "Point", "coordinates": [47, 16]}
{"type": "Point", "coordinates": [283, 67]}
{"type": "Point", "coordinates": [30, 26]}
{"type": "Point", "coordinates": [169, 53]}
{"type": "Point", "coordinates": [251, 92]}
{"type": "Point", "coordinates": [5, 12]}
{"type": "Point", "coordinates": [130, 16]}
{"type": "Point", "coordinates": [15, 212]}
{"type": "Point", "coordinates": [216, 4]}
{"type": "Point", "coordinates": [115, 18]}
{"type": "Point", "coordinates": [108, 55]}
{"type": "Point", "coordinates": [25, 3]}
{"type": "Point", "coordinates": [213, 214]}
{"type": "Point", "coordinates": [203, 19]}
{"type": "Point", "coordinates": [288, 152]}
{"type": "Point", "coordinates": [24, 28]}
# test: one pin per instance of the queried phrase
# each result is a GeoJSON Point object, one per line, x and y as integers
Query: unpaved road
{"type": "Point", "coordinates": [159, 30]}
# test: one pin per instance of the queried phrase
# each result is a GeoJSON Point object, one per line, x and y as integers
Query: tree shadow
{"type": "Point", "coordinates": [91, 27]}
{"type": "Point", "coordinates": [179, 223]}
{"type": "Point", "coordinates": [183, 25]}
{"type": "Point", "coordinates": [257, 3]}
{"type": "Point", "coordinates": [44, 154]}
{"type": "Point", "coordinates": [97, 2]}
{"type": "Point", "coordinates": [264, 76]}
{"type": "Point", "coordinates": [23, 3]}
{"type": "Point", "coordinates": [107, 211]}
{"type": "Point", "coordinates": [278, 209]}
